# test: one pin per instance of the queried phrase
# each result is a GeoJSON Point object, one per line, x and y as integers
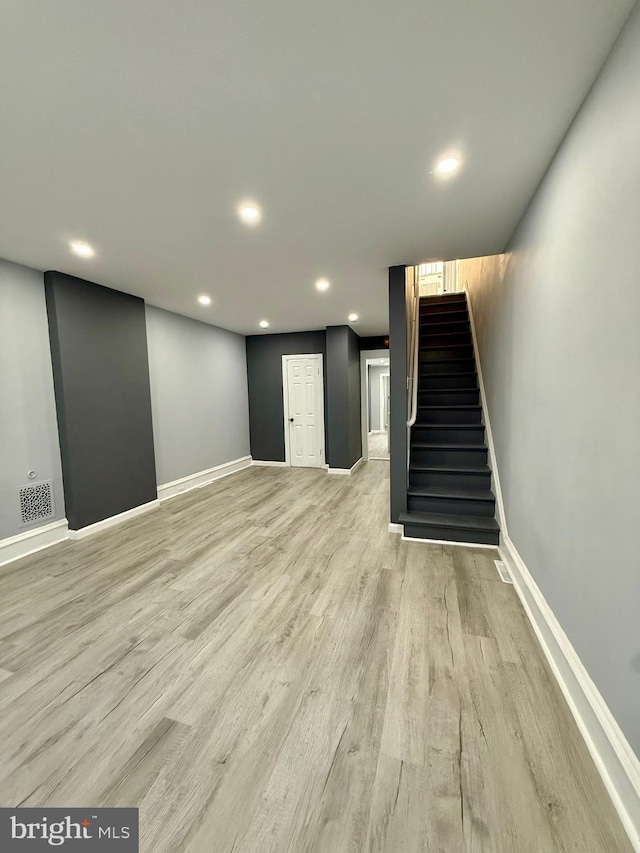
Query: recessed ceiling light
{"type": "Point", "coordinates": [249, 213]}
{"type": "Point", "coordinates": [82, 249]}
{"type": "Point", "coordinates": [264, 324]}
{"type": "Point", "coordinates": [323, 284]}
{"type": "Point", "coordinates": [447, 166]}
{"type": "Point", "coordinates": [353, 318]}
{"type": "Point", "coordinates": [204, 299]}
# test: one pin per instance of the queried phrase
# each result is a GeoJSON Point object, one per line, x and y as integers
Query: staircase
{"type": "Point", "coordinates": [449, 495]}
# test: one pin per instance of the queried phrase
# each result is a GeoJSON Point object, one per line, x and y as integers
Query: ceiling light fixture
{"type": "Point", "coordinates": [352, 318]}
{"type": "Point", "coordinates": [249, 213]}
{"type": "Point", "coordinates": [204, 299]}
{"type": "Point", "coordinates": [264, 324]}
{"type": "Point", "coordinates": [323, 284]}
{"type": "Point", "coordinates": [448, 166]}
{"type": "Point", "coordinates": [82, 249]}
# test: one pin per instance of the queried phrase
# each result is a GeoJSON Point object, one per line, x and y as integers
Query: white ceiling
{"type": "Point", "coordinates": [139, 126]}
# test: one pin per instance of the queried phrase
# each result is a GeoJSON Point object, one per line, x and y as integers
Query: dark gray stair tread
{"type": "Point", "coordinates": [451, 492]}
{"type": "Point", "coordinates": [428, 445]}
{"type": "Point", "coordinates": [428, 346]}
{"type": "Point", "coordinates": [448, 426]}
{"type": "Point", "coordinates": [436, 333]}
{"type": "Point", "coordinates": [442, 375]}
{"type": "Point", "coordinates": [446, 313]}
{"type": "Point", "coordinates": [449, 469]}
{"type": "Point", "coordinates": [465, 522]}
{"type": "Point", "coordinates": [457, 407]}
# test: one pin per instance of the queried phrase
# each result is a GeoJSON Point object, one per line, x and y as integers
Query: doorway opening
{"type": "Point", "coordinates": [375, 404]}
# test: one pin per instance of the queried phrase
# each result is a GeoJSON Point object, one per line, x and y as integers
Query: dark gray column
{"type": "Point", "coordinates": [344, 442]}
{"type": "Point", "coordinates": [398, 390]}
{"type": "Point", "coordinates": [101, 379]}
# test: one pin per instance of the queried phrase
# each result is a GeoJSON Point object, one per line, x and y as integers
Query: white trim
{"type": "Point", "coordinates": [449, 542]}
{"type": "Point", "coordinates": [381, 396]}
{"type": "Point", "coordinates": [616, 762]}
{"type": "Point", "coordinates": [285, 406]}
{"type": "Point", "coordinates": [113, 520]}
{"type": "Point", "coordinates": [23, 544]}
{"type": "Point", "coordinates": [396, 528]}
{"type": "Point", "coordinates": [264, 463]}
{"type": "Point", "coordinates": [487, 422]}
{"type": "Point", "coordinates": [378, 431]}
{"type": "Point", "coordinates": [202, 478]}
{"type": "Point", "coordinates": [346, 470]}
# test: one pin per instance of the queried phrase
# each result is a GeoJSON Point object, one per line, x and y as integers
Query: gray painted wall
{"type": "Point", "coordinates": [199, 397]}
{"type": "Point", "coordinates": [375, 372]}
{"type": "Point", "coordinates": [558, 321]}
{"type": "Point", "coordinates": [28, 426]}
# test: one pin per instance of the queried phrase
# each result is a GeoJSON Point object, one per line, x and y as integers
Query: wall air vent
{"type": "Point", "coordinates": [503, 571]}
{"type": "Point", "coordinates": [36, 502]}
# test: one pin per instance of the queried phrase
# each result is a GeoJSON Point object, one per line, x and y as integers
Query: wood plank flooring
{"type": "Point", "coordinates": [259, 666]}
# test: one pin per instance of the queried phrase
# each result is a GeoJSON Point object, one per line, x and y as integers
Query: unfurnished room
{"type": "Point", "coordinates": [319, 426]}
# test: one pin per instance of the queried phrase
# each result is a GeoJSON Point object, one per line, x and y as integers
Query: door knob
{"type": "Point", "coordinates": [290, 420]}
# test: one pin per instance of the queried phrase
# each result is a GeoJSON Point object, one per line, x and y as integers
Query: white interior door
{"type": "Point", "coordinates": [304, 416]}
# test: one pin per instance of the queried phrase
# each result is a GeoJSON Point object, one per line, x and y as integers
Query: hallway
{"type": "Point", "coordinates": [260, 666]}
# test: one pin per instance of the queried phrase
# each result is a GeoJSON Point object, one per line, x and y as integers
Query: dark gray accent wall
{"type": "Point", "coordinates": [101, 379]}
{"type": "Point", "coordinates": [264, 372]}
{"type": "Point", "coordinates": [376, 342]}
{"type": "Point", "coordinates": [344, 442]}
{"type": "Point", "coordinates": [398, 391]}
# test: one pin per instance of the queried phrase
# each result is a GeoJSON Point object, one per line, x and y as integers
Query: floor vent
{"type": "Point", "coordinates": [36, 502]}
{"type": "Point", "coordinates": [502, 571]}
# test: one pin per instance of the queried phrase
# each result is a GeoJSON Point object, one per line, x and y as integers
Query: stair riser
{"type": "Point", "coordinates": [428, 369]}
{"type": "Point", "coordinates": [435, 341]}
{"type": "Point", "coordinates": [455, 480]}
{"type": "Point", "coordinates": [463, 397]}
{"type": "Point", "coordinates": [451, 506]}
{"type": "Point", "coordinates": [428, 531]}
{"type": "Point", "coordinates": [441, 435]}
{"type": "Point", "coordinates": [444, 317]}
{"type": "Point", "coordinates": [447, 354]}
{"type": "Point", "coordinates": [450, 328]}
{"type": "Point", "coordinates": [449, 458]}
{"type": "Point", "coordinates": [449, 416]}
{"type": "Point", "coordinates": [448, 383]}
{"type": "Point", "coordinates": [442, 303]}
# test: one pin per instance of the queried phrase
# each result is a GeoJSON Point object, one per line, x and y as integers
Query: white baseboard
{"type": "Point", "coordinates": [617, 764]}
{"type": "Point", "coordinates": [265, 463]}
{"type": "Point", "coordinates": [487, 421]}
{"type": "Point", "coordinates": [346, 471]}
{"type": "Point", "coordinates": [396, 528]}
{"type": "Point", "coordinates": [112, 521]}
{"type": "Point", "coordinates": [448, 542]}
{"type": "Point", "coordinates": [202, 478]}
{"type": "Point", "coordinates": [23, 544]}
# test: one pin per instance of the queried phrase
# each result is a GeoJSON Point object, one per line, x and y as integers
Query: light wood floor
{"type": "Point", "coordinates": [379, 445]}
{"type": "Point", "coordinates": [260, 666]}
